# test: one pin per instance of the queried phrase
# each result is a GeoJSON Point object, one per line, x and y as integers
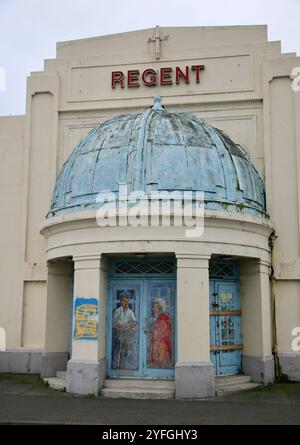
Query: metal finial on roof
{"type": "Point", "coordinates": [157, 104]}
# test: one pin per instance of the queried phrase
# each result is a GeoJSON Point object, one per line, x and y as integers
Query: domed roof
{"type": "Point", "coordinates": [159, 150]}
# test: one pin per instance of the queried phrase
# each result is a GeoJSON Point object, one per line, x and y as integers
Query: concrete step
{"type": "Point", "coordinates": [137, 393]}
{"type": "Point", "coordinates": [225, 380]}
{"type": "Point", "coordinates": [138, 388]}
{"type": "Point", "coordinates": [56, 383]}
{"type": "Point", "coordinates": [166, 384]}
{"type": "Point", "coordinates": [61, 375]}
{"type": "Point", "coordinates": [237, 387]}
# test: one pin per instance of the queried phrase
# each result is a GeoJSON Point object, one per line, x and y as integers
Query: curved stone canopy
{"type": "Point", "coordinates": [159, 150]}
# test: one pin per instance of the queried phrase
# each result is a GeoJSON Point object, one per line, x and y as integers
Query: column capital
{"type": "Point", "coordinates": [192, 261]}
{"type": "Point", "coordinates": [87, 261]}
{"type": "Point", "coordinates": [253, 266]}
{"type": "Point", "coordinates": [265, 267]}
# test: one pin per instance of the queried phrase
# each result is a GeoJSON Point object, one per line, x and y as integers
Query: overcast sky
{"type": "Point", "coordinates": [29, 29]}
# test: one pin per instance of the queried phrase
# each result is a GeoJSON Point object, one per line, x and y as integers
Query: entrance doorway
{"type": "Point", "coordinates": [225, 317]}
{"type": "Point", "coordinates": [141, 318]}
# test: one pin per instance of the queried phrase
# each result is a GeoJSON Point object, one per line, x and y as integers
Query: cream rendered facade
{"type": "Point", "coordinates": [245, 90]}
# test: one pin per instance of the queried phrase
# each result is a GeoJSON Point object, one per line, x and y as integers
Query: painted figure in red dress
{"type": "Point", "coordinates": [160, 345]}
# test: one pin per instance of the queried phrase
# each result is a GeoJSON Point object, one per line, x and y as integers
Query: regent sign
{"type": "Point", "coordinates": [160, 77]}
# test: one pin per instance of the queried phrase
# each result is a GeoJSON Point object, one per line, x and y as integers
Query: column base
{"type": "Point", "coordinates": [52, 362]}
{"type": "Point", "coordinates": [290, 365]}
{"type": "Point", "coordinates": [194, 380]}
{"type": "Point", "coordinates": [261, 370]}
{"type": "Point", "coordinates": [85, 377]}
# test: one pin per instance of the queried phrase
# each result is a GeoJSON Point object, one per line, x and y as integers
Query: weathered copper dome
{"type": "Point", "coordinates": [159, 150]}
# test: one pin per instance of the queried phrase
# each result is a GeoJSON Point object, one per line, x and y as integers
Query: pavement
{"type": "Point", "coordinates": [24, 399]}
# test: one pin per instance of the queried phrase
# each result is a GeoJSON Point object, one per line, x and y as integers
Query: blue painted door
{"type": "Point", "coordinates": [225, 331]}
{"type": "Point", "coordinates": [141, 328]}
{"type": "Point", "coordinates": [158, 328]}
{"type": "Point", "coordinates": [124, 326]}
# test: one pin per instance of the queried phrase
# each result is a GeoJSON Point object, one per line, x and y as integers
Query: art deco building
{"type": "Point", "coordinates": [108, 285]}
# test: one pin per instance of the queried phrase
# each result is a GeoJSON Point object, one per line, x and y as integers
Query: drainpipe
{"type": "Point", "coordinates": [278, 373]}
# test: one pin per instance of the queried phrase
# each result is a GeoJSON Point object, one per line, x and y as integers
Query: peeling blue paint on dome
{"type": "Point", "coordinates": [159, 150]}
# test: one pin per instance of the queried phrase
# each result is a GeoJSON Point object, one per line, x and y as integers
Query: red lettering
{"type": "Point", "coordinates": [152, 77]}
{"type": "Point", "coordinates": [198, 68]}
{"type": "Point", "coordinates": [149, 77]}
{"type": "Point", "coordinates": [133, 78]}
{"type": "Point", "coordinates": [166, 76]}
{"type": "Point", "coordinates": [117, 77]}
{"type": "Point", "coordinates": [180, 75]}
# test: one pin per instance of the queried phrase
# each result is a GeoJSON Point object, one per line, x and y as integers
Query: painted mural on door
{"type": "Point", "coordinates": [141, 327]}
{"type": "Point", "coordinates": [125, 332]}
{"type": "Point", "coordinates": [160, 349]}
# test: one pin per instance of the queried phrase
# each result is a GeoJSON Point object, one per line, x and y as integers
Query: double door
{"type": "Point", "coordinates": [225, 327]}
{"type": "Point", "coordinates": [141, 328]}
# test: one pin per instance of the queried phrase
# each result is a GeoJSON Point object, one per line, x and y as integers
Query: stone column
{"type": "Point", "coordinates": [86, 369]}
{"type": "Point", "coordinates": [57, 332]}
{"type": "Point", "coordinates": [256, 322]}
{"type": "Point", "coordinates": [194, 373]}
